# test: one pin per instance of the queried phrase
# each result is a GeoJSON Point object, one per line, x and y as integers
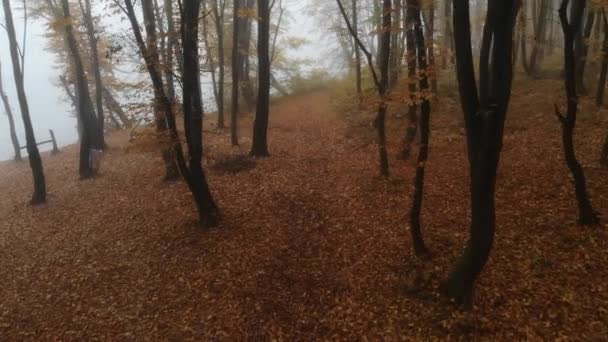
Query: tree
{"type": "Point", "coordinates": [259, 146]}
{"type": "Point", "coordinates": [357, 51]}
{"type": "Point", "coordinates": [11, 121]}
{"type": "Point", "coordinates": [91, 132]}
{"type": "Point", "coordinates": [412, 116]}
{"type": "Point", "coordinates": [586, 213]}
{"type": "Point", "coordinates": [601, 85]}
{"type": "Point", "coordinates": [218, 9]}
{"type": "Point", "coordinates": [193, 115]}
{"type": "Point", "coordinates": [88, 23]}
{"type": "Point", "coordinates": [39, 195]}
{"type": "Point", "coordinates": [163, 111]}
{"type": "Point", "coordinates": [484, 116]}
{"type": "Point", "coordinates": [382, 83]}
{"type": "Point", "coordinates": [236, 56]}
{"type": "Point", "coordinates": [420, 248]}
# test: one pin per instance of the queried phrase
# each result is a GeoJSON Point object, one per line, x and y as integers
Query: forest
{"type": "Point", "coordinates": [303, 170]}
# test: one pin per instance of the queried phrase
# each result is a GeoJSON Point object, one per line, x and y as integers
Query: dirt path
{"type": "Point", "coordinates": [312, 244]}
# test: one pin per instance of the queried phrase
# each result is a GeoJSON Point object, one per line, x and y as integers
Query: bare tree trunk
{"type": "Point", "coordinates": [218, 14]}
{"type": "Point", "coordinates": [259, 146]}
{"type": "Point", "coordinates": [170, 51]}
{"type": "Point", "coordinates": [586, 213]}
{"type": "Point", "coordinates": [114, 106]}
{"type": "Point", "coordinates": [385, 50]}
{"type": "Point", "coordinates": [412, 116]}
{"type": "Point", "coordinates": [484, 115]}
{"type": "Point", "coordinates": [163, 113]}
{"type": "Point", "coordinates": [357, 52]}
{"type": "Point", "coordinates": [430, 38]}
{"type": "Point", "coordinates": [193, 115]}
{"type": "Point", "coordinates": [91, 133]}
{"type": "Point", "coordinates": [88, 21]}
{"type": "Point", "coordinates": [420, 248]}
{"type": "Point", "coordinates": [581, 60]}
{"type": "Point", "coordinates": [395, 60]}
{"type": "Point", "coordinates": [601, 85]}
{"type": "Point", "coordinates": [209, 54]}
{"type": "Point", "coordinates": [236, 57]}
{"type": "Point", "coordinates": [11, 121]}
{"type": "Point", "coordinates": [39, 195]}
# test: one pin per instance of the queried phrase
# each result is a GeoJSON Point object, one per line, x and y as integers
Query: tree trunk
{"type": "Point", "coordinates": [430, 33]}
{"type": "Point", "coordinates": [484, 115]}
{"type": "Point", "coordinates": [247, 89]}
{"type": "Point", "coordinates": [395, 60]}
{"type": "Point", "coordinates": [581, 60]}
{"type": "Point", "coordinates": [357, 52]}
{"type": "Point", "coordinates": [586, 213]}
{"type": "Point", "coordinates": [604, 156]}
{"type": "Point", "coordinates": [114, 106]}
{"type": "Point", "coordinates": [236, 56]}
{"type": "Point", "coordinates": [39, 195]}
{"type": "Point", "coordinates": [91, 137]}
{"type": "Point", "coordinates": [259, 146]}
{"type": "Point", "coordinates": [11, 121]}
{"type": "Point", "coordinates": [383, 63]}
{"type": "Point", "coordinates": [601, 85]}
{"type": "Point", "coordinates": [412, 116]}
{"type": "Point", "coordinates": [420, 248]}
{"type": "Point", "coordinates": [209, 54]}
{"type": "Point", "coordinates": [163, 112]}
{"type": "Point", "coordinates": [169, 51]}
{"type": "Point", "coordinates": [218, 13]}
{"type": "Point", "coordinates": [193, 115]}
{"type": "Point", "coordinates": [88, 21]}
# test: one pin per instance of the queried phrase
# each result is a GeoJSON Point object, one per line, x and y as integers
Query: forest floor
{"type": "Point", "coordinates": [312, 244]}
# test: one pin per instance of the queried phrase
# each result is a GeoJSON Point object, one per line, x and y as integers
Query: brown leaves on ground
{"type": "Point", "coordinates": [313, 245]}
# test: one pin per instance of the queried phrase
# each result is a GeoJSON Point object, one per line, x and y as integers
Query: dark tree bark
{"type": "Point", "coordinates": [259, 146]}
{"type": "Point", "coordinates": [412, 116]}
{"type": "Point", "coordinates": [244, 43]}
{"type": "Point", "coordinates": [604, 156]}
{"type": "Point", "coordinates": [601, 85]}
{"type": "Point", "coordinates": [583, 50]}
{"type": "Point", "coordinates": [420, 248]}
{"type": "Point", "coordinates": [163, 113]}
{"type": "Point", "coordinates": [430, 38]}
{"type": "Point", "coordinates": [395, 54]}
{"type": "Point", "coordinates": [236, 79]}
{"type": "Point", "coordinates": [90, 28]}
{"type": "Point", "coordinates": [218, 15]}
{"type": "Point", "coordinates": [39, 195]}
{"type": "Point", "coordinates": [385, 50]}
{"type": "Point", "coordinates": [448, 35]}
{"type": "Point", "coordinates": [380, 83]}
{"type": "Point", "coordinates": [484, 116]}
{"type": "Point", "coordinates": [11, 121]}
{"type": "Point", "coordinates": [539, 17]}
{"type": "Point", "coordinates": [91, 133]}
{"type": "Point", "coordinates": [170, 51]}
{"type": "Point", "coordinates": [193, 115]}
{"type": "Point", "coordinates": [357, 51]}
{"type": "Point", "coordinates": [586, 213]}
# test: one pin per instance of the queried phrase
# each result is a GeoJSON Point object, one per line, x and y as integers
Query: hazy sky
{"type": "Point", "coordinates": [48, 104]}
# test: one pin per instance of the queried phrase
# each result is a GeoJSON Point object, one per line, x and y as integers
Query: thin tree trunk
{"type": "Point", "coordinates": [170, 51]}
{"type": "Point", "coordinates": [395, 60]}
{"type": "Point", "coordinates": [163, 113]}
{"type": "Point", "coordinates": [412, 116]}
{"type": "Point", "coordinates": [259, 146]}
{"type": "Point", "coordinates": [583, 53]}
{"type": "Point", "coordinates": [420, 248]}
{"type": "Point", "coordinates": [193, 115]}
{"type": "Point", "coordinates": [39, 195]}
{"type": "Point", "coordinates": [209, 54]}
{"type": "Point", "coordinates": [218, 13]}
{"type": "Point", "coordinates": [385, 50]}
{"type": "Point", "coordinates": [601, 85]}
{"type": "Point", "coordinates": [430, 36]}
{"type": "Point", "coordinates": [11, 121]}
{"type": "Point", "coordinates": [113, 105]}
{"type": "Point", "coordinates": [604, 156]}
{"type": "Point", "coordinates": [88, 21]}
{"type": "Point", "coordinates": [91, 137]}
{"type": "Point", "coordinates": [236, 56]}
{"type": "Point", "coordinates": [586, 213]}
{"type": "Point", "coordinates": [357, 52]}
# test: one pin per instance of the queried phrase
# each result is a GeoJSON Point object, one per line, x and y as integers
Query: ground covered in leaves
{"type": "Point", "coordinates": [312, 244]}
